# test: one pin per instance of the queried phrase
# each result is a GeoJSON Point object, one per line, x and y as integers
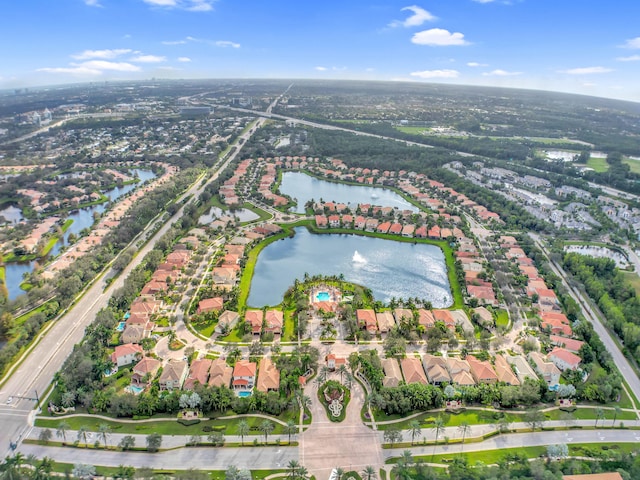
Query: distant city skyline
{"type": "Point", "coordinates": [575, 46]}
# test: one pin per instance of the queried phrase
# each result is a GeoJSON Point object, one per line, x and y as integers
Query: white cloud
{"type": "Point", "coordinates": [184, 59]}
{"type": "Point", "coordinates": [420, 15]}
{"type": "Point", "coordinates": [500, 73]}
{"type": "Point", "coordinates": [632, 58]}
{"type": "Point", "coordinates": [174, 42]}
{"type": "Point", "coordinates": [438, 37]}
{"type": "Point", "coordinates": [92, 3]}
{"type": "Point", "coordinates": [104, 54]}
{"type": "Point", "coordinates": [321, 69]}
{"type": "Point", "coordinates": [436, 74]}
{"type": "Point", "coordinates": [149, 59]}
{"type": "Point", "coordinates": [71, 70]}
{"type": "Point", "coordinates": [189, 5]}
{"type": "Point", "coordinates": [105, 65]}
{"type": "Point", "coordinates": [632, 43]}
{"type": "Point", "coordinates": [476, 64]}
{"type": "Point", "coordinates": [586, 70]}
{"type": "Point", "coordinates": [225, 43]}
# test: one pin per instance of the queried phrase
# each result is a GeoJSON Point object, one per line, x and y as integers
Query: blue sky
{"type": "Point", "coordinates": [581, 46]}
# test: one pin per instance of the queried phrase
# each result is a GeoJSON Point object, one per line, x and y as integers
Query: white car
{"type": "Point", "coordinates": [9, 400]}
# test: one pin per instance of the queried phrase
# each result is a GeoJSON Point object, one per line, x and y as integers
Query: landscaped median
{"type": "Point", "coordinates": [334, 397]}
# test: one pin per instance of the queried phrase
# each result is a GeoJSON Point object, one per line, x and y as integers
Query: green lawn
{"type": "Point", "coordinates": [169, 426]}
{"type": "Point", "coordinates": [413, 130]}
{"type": "Point", "coordinates": [502, 319]}
{"type": "Point", "coordinates": [598, 164]}
{"type": "Point", "coordinates": [633, 164]}
{"type": "Point", "coordinates": [590, 414]}
{"type": "Point", "coordinates": [634, 279]}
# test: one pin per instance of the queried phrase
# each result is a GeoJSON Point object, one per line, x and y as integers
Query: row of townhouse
{"type": "Point", "coordinates": [382, 322]}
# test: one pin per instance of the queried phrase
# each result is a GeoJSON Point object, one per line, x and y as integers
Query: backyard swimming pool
{"type": "Point", "coordinates": [244, 393]}
{"type": "Point", "coordinates": [323, 296]}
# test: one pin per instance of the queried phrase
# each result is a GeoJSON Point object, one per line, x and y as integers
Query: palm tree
{"type": "Point", "coordinates": [293, 467]}
{"type": "Point", "coordinates": [438, 426]}
{"type": "Point", "coordinates": [414, 427]}
{"type": "Point", "coordinates": [616, 411]}
{"type": "Point", "coordinates": [104, 431]}
{"type": "Point", "coordinates": [290, 429]}
{"type": "Point", "coordinates": [368, 473]}
{"type": "Point", "coordinates": [339, 473]}
{"type": "Point", "coordinates": [82, 433]}
{"type": "Point", "coordinates": [243, 429]}
{"type": "Point", "coordinates": [266, 427]}
{"type": "Point", "coordinates": [464, 429]}
{"type": "Point", "coordinates": [61, 430]}
{"type": "Point", "coordinates": [342, 370]}
{"type": "Point", "coordinates": [599, 415]}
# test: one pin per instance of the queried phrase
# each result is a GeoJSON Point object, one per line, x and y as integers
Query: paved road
{"type": "Point", "coordinates": [594, 317]}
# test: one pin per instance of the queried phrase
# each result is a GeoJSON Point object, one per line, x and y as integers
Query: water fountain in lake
{"type": "Point", "coordinates": [357, 258]}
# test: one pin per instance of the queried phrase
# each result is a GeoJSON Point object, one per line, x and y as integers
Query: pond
{"type": "Point", "coordinates": [304, 187]}
{"type": "Point", "coordinates": [389, 268]}
{"type": "Point", "coordinates": [243, 214]}
{"type": "Point", "coordinates": [12, 214]}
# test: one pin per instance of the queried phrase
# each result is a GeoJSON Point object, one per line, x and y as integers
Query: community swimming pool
{"type": "Point", "coordinates": [323, 296]}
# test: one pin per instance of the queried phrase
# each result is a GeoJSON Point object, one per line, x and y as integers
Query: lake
{"type": "Point", "coordinates": [243, 214]}
{"type": "Point", "coordinates": [389, 268]}
{"type": "Point", "coordinates": [304, 187]}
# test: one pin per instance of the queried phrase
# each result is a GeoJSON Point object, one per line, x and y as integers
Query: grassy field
{"type": "Point", "coordinates": [633, 164]}
{"type": "Point", "coordinates": [634, 279]}
{"type": "Point", "coordinates": [598, 164]}
{"type": "Point", "coordinates": [413, 130]}
{"type": "Point", "coordinates": [502, 318]}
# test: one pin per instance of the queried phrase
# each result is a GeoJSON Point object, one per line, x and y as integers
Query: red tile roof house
{"type": "Point", "coordinates": [412, 370]}
{"type": "Point", "coordinates": [273, 321]}
{"type": "Point", "coordinates": [481, 371]}
{"type": "Point", "coordinates": [210, 305]}
{"type": "Point", "coordinates": [198, 373]}
{"type": "Point", "coordinates": [227, 319]}
{"type": "Point", "coordinates": [564, 359]}
{"type": "Point", "coordinates": [360, 222]}
{"type": "Point", "coordinates": [383, 227]}
{"type": "Point", "coordinates": [173, 375]}
{"type": "Point", "coordinates": [126, 354]}
{"type": "Point", "coordinates": [144, 371]}
{"type": "Point", "coordinates": [445, 317]}
{"type": "Point", "coordinates": [371, 224]}
{"type": "Point", "coordinates": [367, 319]}
{"type": "Point", "coordinates": [504, 371]}
{"type": "Point", "coordinates": [570, 344]}
{"type": "Point", "coordinates": [347, 220]}
{"type": "Point", "coordinates": [321, 221]}
{"type": "Point", "coordinates": [421, 232]}
{"type": "Point", "coordinates": [254, 318]}
{"type": "Point", "coordinates": [407, 230]}
{"type": "Point", "coordinates": [426, 318]}
{"type": "Point", "coordinates": [268, 376]}
{"type": "Point", "coordinates": [220, 373]}
{"type": "Point", "coordinates": [334, 362]}
{"type": "Point", "coordinates": [385, 321]}
{"type": "Point", "coordinates": [334, 221]}
{"type": "Point", "coordinates": [395, 229]}
{"type": "Point", "coordinates": [244, 375]}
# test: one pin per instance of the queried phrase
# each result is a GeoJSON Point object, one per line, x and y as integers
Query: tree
{"type": "Point", "coordinates": [125, 472]}
{"type": "Point", "coordinates": [438, 427]}
{"type": "Point", "coordinates": [82, 470]}
{"type": "Point", "coordinates": [293, 467]}
{"type": "Point", "coordinates": [127, 442]}
{"type": "Point", "coordinates": [616, 411]}
{"type": "Point", "coordinates": [45, 435]}
{"type": "Point", "coordinates": [464, 428]}
{"type": "Point", "coordinates": [83, 433]}
{"type": "Point", "coordinates": [243, 429]}
{"type": "Point", "coordinates": [392, 435]}
{"type": "Point", "coordinates": [414, 427]}
{"type": "Point", "coordinates": [557, 451]}
{"type": "Point", "coordinates": [154, 441]}
{"type": "Point", "coordinates": [534, 419]}
{"type": "Point", "coordinates": [368, 473]}
{"type": "Point", "coordinates": [104, 431]}
{"type": "Point", "coordinates": [266, 427]}
{"type": "Point", "coordinates": [339, 473]}
{"type": "Point", "coordinates": [599, 415]}
{"type": "Point", "coordinates": [61, 430]}
{"type": "Point", "coordinates": [291, 429]}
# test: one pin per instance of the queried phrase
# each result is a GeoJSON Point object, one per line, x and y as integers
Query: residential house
{"type": "Point", "coordinates": [485, 317]}
{"type": "Point", "coordinates": [198, 373]}
{"type": "Point", "coordinates": [445, 317]}
{"type": "Point", "coordinates": [254, 318]}
{"type": "Point", "coordinates": [227, 320]}
{"type": "Point", "coordinates": [220, 373]}
{"type": "Point", "coordinates": [367, 320]}
{"type": "Point", "coordinates": [521, 367]}
{"type": "Point", "coordinates": [210, 305]}
{"type": "Point", "coordinates": [273, 321]}
{"type": "Point", "coordinates": [126, 354]}
{"type": "Point", "coordinates": [548, 370]}
{"type": "Point", "coordinates": [460, 372]}
{"type": "Point", "coordinates": [403, 315]}
{"type": "Point", "coordinates": [408, 230]}
{"type": "Point", "coordinates": [426, 318]}
{"type": "Point", "coordinates": [481, 371]}
{"type": "Point", "coordinates": [173, 375]}
{"type": "Point", "coordinates": [412, 371]}
{"type": "Point", "coordinates": [436, 369]}
{"type": "Point", "coordinates": [564, 359]}
{"type": "Point", "coordinates": [268, 376]}
{"type": "Point", "coordinates": [385, 321]}
{"type": "Point", "coordinates": [135, 333]}
{"type": "Point", "coordinates": [594, 476]}
{"type": "Point", "coordinates": [570, 344]}
{"type": "Point", "coordinates": [392, 373]}
{"type": "Point", "coordinates": [321, 221]}
{"type": "Point", "coordinates": [504, 371]}
{"type": "Point", "coordinates": [144, 371]}
{"type": "Point", "coordinates": [244, 375]}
